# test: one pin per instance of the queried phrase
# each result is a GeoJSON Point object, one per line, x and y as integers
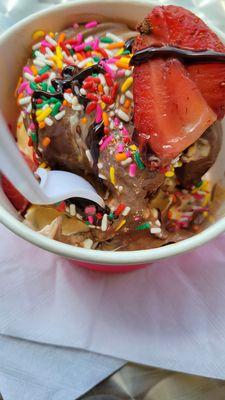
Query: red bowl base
{"type": "Point", "coordinates": [109, 268]}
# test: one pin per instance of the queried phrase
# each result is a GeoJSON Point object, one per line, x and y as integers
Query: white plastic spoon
{"type": "Point", "coordinates": [54, 186]}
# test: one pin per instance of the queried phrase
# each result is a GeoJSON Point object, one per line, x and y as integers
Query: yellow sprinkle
{"type": "Point", "coordinates": [51, 34]}
{"type": "Point", "coordinates": [119, 52]}
{"type": "Point", "coordinates": [128, 82]}
{"type": "Point", "coordinates": [112, 175]}
{"type": "Point", "coordinates": [103, 105]}
{"type": "Point", "coordinates": [38, 112]}
{"type": "Point", "coordinates": [57, 61]}
{"type": "Point", "coordinates": [205, 214]}
{"type": "Point", "coordinates": [89, 64]}
{"type": "Point", "coordinates": [133, 147]}
{"type": "Point", "coordinates": [179, 164]}
{"type": "Point", "coordinates": [59, 52]}
{"type": "Point", "coordinates": [34, 70]}
{"type": "Point", "coordinates": [204, 186]}
{"type": "Point", "coordinates": [45, 113]}
{"type": "Point", "coordinates": [43, 165]}
{"type": "Point", "coordinates": [125, 60]}
{"type": "Point", "coordinates": [38, 34]}
{"type": "Point", "coordinates": [84, 120]}
{"type": "Point", "coordinates": [169, 174]}
{"type": "Point", "coordinates": [206, 200]}
{"type": "Point", "coordinates": [122, 223]}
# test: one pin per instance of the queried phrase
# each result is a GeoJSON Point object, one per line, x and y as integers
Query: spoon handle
{"type": "Point", "coordinates": [14, 167]}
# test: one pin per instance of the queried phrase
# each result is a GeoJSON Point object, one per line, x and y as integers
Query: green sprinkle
{"type": "Point", "coordinates": [44, 69]}
{"type": "Point", "coordinates": [72, 52]}
{"type": "Point", "coordinates": [40, 105]}
{"type": "Point", "coordinates": [33, 55]}
{"type": "Point", "coordinates": [87, 223]}
{"type": "Point", "coordinates": [125, 52]}
{"type": "Point", "coordinates": [143, 227]}
{"type": "Point", "coordinates": [58, 203]}
{"type": "Point", "coordinates": [56, 108]}
{"type": "Point", "coordinates": [33, 86]}
{"type": "Point", "coordinates": [198, 184]}
{"type": "Point", "coordinates": [138, 160]}
{"type": "Point", "coordinates": [44, 86]}
{"type": "Point", "coordinates": [53, 100]}
{"type": "Point", "coordinates": [33, 137]}
{"type": "Point", "coordinates": [111, 216]}
{"type": "Point", "coordinates": [94, 75]}
{"type": "Point", "coordinates": [88, 48]}
{"type": "Point", "coordinates": [96, 59]}
{"type": "Point", "coordinates": [51, 89]}
{"type": "Point", "coordinates": [106, 39]}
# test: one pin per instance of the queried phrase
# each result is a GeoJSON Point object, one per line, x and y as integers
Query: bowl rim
{"type": "Point", "coordinates": [101, 256]}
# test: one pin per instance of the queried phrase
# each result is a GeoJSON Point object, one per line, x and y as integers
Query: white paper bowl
{"type": "Point", "coordinates": [14, 47]}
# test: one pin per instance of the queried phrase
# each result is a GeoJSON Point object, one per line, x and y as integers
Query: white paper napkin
{"type": "Point", "coordinates": [31, 371]}
{"type": "Point", "coordinates": [170, 315]}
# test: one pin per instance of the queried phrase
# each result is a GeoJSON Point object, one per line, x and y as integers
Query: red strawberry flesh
{"type": "Point", "coordinates": [174, 107]}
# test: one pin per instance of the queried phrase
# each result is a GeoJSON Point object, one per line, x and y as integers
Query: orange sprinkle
{"type": "Point", "coordinates": [18, 85]}
{"type": "Point", "coordinates": [34, 70]}
{"type": "Point", "coordinates": [84, 120]}
{"type": "Point", "coordinates": [41, 124]}
{"type": "Point", "coordinates": [66, 103]}
{"type": "Point", "coordinates": [105, 119]}
{"type": "Point", "coordinates": [127, 103]}
{"type": "Point", "coordinates": [117, 45]}
{"type": "Point", "coordinates": [100, 88]}
{"type": "Point", "coordinates": [120, 64]}
{"type": "Point", "coordinates": [120, 156]}
{"type": "Point", "coordinates": [79, 56]}
{"type": "Point", "coordinates": [61, 38]}
{"type": "Point", "coordinates": [46, 141]}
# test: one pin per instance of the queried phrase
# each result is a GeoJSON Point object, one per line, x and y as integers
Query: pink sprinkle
{"type": "Point", "coordinates": [105, 143]}
{"type": "Point", "coordinates": [108, 69]}
{"type": "Point", "coordinates": [128, 153]}
{"type": "Point", "coordinates": [22, 86]}
{"type": "Point", "coordinates": [132, 170]}
{"type": "Point", "coordinates": [27, 69]}
{"type": "Point", "coordinates": [116, 121]}
{"type": "Point", "coordinates": [75, 25]}
{"type": "Point", "coordinates": [98, 116]}
{"type": "Point", "coordinates": [91, 24]}
{"type": "Point", "coordinates": [90, 210]}
{"type": "Point", "coordinates": [120, 73]}
{"type": "Point", "coordinates": [44, 43]}
{"type": "Point", "coordinates": [91, 219]}
{"type": "Point", "coordinates": [120, 148]}
{"type": "Point", "coordinates": [31, 126]}
{"type": "Point", "coordinates": [137, 219]}
{"type": "Point", "coordinates": [125, 131]}
{"type": "Point", "coordinates": [80, 47]}
{"type": "Point", "coordinates": [29, 90]}
{"type": "Point", "coordinates": [112, 60]}
{"type": "Point", "coordinates": [95, 43]}
{"type": "Point", "coordinates": [79, 38]}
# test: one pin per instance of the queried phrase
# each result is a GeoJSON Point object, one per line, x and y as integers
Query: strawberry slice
{"type": "Point", "coordinates": [170, 112]}
{"type": "Point", "coordinates": [176, 26]}
{"type": "Point", "coordinates": [16, 198]}
{"type": "Point", "coordinates": [174, 105]}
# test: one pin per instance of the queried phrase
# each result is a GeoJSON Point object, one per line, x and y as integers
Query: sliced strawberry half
{"type": "Point", "coordinates": [176, 26]}
{"type": "Point", "coordinates": [174, 105]}
{"type": "Point", "coordinates": [170, 112]}
{"type": "Point", "coordinates": [15, 197]}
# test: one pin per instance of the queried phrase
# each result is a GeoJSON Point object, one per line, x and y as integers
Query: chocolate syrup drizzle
{"type": "Point", "coordinates": [187, 56]}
